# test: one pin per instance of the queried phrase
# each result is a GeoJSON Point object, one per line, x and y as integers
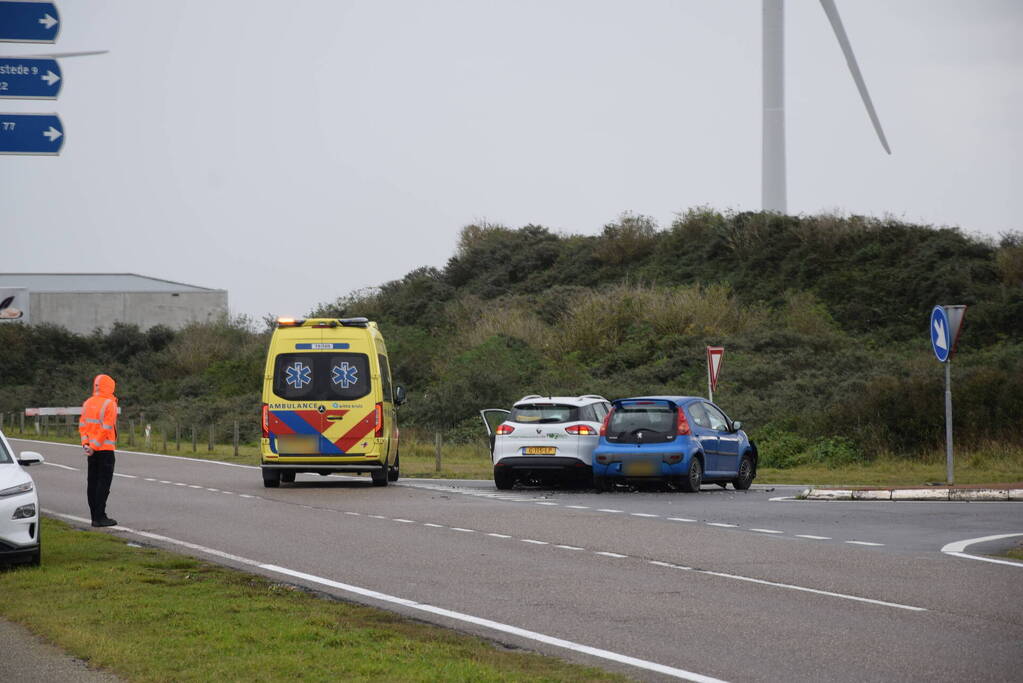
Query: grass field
{"type": "Point", "coordinates": [149, 615]}
{"type": "Point", "coordinates": [984, 464]}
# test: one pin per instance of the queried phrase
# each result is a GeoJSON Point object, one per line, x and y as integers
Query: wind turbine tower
{"type": "Point", "coordinates": [773, 185]}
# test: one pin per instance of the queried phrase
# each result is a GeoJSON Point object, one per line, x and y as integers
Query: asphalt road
{"type": "Point", "coordinates": [657, 585]}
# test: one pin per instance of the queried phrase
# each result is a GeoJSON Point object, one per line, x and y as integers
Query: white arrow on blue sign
{"type": "Point", "coordinates": [941, 333]}
{"type": "Point", "coordinates": [28, 21]}
{"type": "Point", "coordinates": [31, 134]}
{"type": "Point", "coordinates": [29, 79]}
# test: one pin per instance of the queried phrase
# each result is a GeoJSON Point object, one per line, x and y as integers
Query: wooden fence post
{"type": "Point", "coordinates": [437, 444]}
{"type": "Point", "coordinates": [131, 433]}
{"type": "Point", "coordinates": [193, 438]}
{"type": "Point", "coordinates": [177, 436]}
{"type": "Point", "coordinates": [212, 427]}
{"type": "Point", "coordinates": [165, 440]}
{"type": "Point", "coordinates": [236, 438]}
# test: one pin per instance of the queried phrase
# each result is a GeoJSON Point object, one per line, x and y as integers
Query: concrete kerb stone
{"type": "Point", "coordinates": [829, 494]}
{"type": "Point", "coordinates": [1015, 494]}
{"type": "Point", "coordinates": [920, 494]}
{"type": "Point", "coordinates": [873, 494]}
{"type": "Point", "coordinates": [979, 494]}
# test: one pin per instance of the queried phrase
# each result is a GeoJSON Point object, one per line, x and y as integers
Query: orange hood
{"type": "Point", "coordinates": [103, 385]}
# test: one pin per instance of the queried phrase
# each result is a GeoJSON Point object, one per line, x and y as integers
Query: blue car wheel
{"type": "Point", "coordinates": [691, 482]}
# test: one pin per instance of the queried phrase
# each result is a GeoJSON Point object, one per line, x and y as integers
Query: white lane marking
{"type": "Point", "coordinates": [63, 467]}
{"type": "Point", "coordinates": [194, 486]}
{"type": "Point", "coordinates": [432, 525]}
{"type": "Point", "coordinates": [569, 547]}
{"type": "Point", "coordinates": [681, 519]}
{"type": "Point", "coordinates": [152, 455]}
{"type": "Point", "coordinates": [642, 514]}
{"type": "Point", "coordinates": [228, 493]}
{"type": "Point", "coordinates": [164, 481]}
{"type": "Point", "coordinates": [458, 528]}
{"type": "Point", "coordinates": [530, 540]}
{"type": "Point", "coordinates": [545, 503]}
{"type": "Point", "coordinates": [498, 626]}
{"type": "Point", "coordinates": [607, 554]}
{"type": "Point", "coordinates": [607, 510]}
{"type": "Point", "coordinates": [780, 498]}
{"type": "Point", "coordinates": [864, 543]}
{"type": "Point", "coordinates": [423, 607]}
{"type": "Point", "coordinates": [768, 531]}
{"type": "Point", "coordinates": [814, 538]}
{"type": "Point", "coordinates": [125, 476]}
{"type": "Point", "coordinates": [403, 521]}
{"type": "Point", "coordinates": [178, 483]}
{"type": "Point", "coordinates": [245, 495]}
{"type": "Point", "coordinates": [354, 514]}
{"type": "Point", "coordinates": [578, 507]}
{"type": "Point", "coordinates": [956, 549]}
{"type": "Point", "coordinates": [722, 524]}
{"type": "Point", "coordinates": [499, 535]}
{"type": "Point", "coordinates": [789, 586]}
{"type": "Point", "coordinates": [214, 490]}
{"type": "Point", "coordinates": [377, 516]}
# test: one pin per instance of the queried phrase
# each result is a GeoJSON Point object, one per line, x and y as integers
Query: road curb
{"type": "Point", "coordinates": [929, 494]}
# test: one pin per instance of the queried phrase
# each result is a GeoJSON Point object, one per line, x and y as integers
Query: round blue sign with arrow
{"type": "Point", "coordinates": [941, 334]}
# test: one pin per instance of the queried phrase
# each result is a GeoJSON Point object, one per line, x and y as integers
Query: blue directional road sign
{"type": "Point", "coordinates": [31, 134]}
{"type": "Point", "coordinates": [941, 333]}
{"type": "Point", "coordinates": [28, 21]}
{"type": "Point", "coordinates": [29, 79]}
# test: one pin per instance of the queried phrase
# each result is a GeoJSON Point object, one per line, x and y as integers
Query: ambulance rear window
{"type": "Point", "coordinates": [321, 376]}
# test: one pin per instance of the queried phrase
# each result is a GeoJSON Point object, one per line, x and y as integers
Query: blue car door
{"type": "Point", "coordinates": [700, 425]}
{"type": "Point", "coordinates": [728, 441]}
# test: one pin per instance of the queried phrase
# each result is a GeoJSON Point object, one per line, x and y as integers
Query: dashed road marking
{"type": "Point", "coordinates": [533, 541]}
{"type": "Point", "coordinates": [403, 521]}
{"type": "Point", "coordinates": [607, 510]}
{"type": "Point", "coordinates": [814, 538]}
{"type": "Point", "coordinates": [569, 547]}
{"type": "Point", "coordinates": [722, 524]}
{"type": "Point", "coordinates": [681, 519]}
{"type": "Point", "coordinates": [608, 554]}
{"type": "Point", "coordinates": [578, 507]}
{"type": "Point", "coordinates": [499, 535]}
{"type": "Point", "coordinates": [458, 528]}
{"type": "Point", "coordinates": [864, 543]}
{"type": "Point", "coordinates": [768, 531]}
{"type": "Point", "coordinates": [642, 514]}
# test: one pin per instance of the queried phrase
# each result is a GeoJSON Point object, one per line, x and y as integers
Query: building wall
{"type": "Point", "coordinates": [82, 312]}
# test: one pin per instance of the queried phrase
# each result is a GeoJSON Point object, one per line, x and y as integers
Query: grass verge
{"type": "Point", "coordinates": [150, 615]}
{"type": "Point", "coordinates": [985, 464]}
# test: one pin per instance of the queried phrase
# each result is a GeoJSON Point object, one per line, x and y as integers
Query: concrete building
{"type": "Point", "coordinates": [82, 302]}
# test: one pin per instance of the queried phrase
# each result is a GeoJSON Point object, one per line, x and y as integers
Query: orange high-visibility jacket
{"type": "Point", "coordinates": [98, 424]}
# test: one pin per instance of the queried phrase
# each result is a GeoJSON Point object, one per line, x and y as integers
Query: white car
{"type": "Point", "coordinates": [544, 438]}
{"type": "Point", "coordinates": [19, 507]}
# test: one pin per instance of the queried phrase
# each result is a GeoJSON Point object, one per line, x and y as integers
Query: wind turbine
{"type": "Point", "coordinates": [773, 188]}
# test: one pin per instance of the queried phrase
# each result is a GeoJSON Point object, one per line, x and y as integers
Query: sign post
{"type": "Point", "coordinates": [714, 356]}
{"type": "Point", "coordinates": [946, 322]}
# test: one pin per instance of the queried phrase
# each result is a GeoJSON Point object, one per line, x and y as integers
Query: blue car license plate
{"type": "Point", "coordinates": [641, 467]}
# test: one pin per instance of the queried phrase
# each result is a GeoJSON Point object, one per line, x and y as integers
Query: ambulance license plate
{"type": "Point", "coordinates": [539, 450]}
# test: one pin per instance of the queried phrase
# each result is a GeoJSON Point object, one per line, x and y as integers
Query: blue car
{"type": "Point", "coordinates": [683, 440]}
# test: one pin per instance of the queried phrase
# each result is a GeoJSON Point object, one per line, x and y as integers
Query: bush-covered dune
{"type": "Point", "coordinates": [824, 320]}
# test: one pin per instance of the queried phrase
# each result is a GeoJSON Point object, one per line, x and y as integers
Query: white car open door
{"type": "Point", "coordinates": [492, 417]}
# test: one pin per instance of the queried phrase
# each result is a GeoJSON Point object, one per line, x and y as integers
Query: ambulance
{"type": "Point", "coordinates": [328, 402]}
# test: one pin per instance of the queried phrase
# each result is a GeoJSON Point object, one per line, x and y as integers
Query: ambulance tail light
{"type": "Point", "coordinates": [378, 415]}
{"type": "Point", "coordinates": [503, 429]}
{"type": "Point", "coordinates": [683, 423]}
{"type": "Point", "coordinates": [266, 421]}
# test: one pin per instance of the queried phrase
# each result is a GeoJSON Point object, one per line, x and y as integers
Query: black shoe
{"type": "Point", "coordinates": [106, 521]}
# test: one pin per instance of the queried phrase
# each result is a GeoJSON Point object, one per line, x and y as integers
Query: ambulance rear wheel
{"type": "Point", "coordinates": [380, 476]}
{"type": "Point", "coordinates": [395, 470]}
{"type": "Point", "coordinates": [271, 479]}
{"type": "Point", "coordinates": [288, 477]}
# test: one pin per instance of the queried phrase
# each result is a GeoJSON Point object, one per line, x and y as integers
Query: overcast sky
{"type": "Point", "coordinates": [292, 152]}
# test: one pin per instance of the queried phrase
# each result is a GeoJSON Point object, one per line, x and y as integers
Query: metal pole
{"type": "Point", "coordinates": [437, 443]}
{"type": "Point", "coordinates": [772, 182]}
{"type": "Point", "coordinates": [710, 388]}
{"type": "Point", "coordinates": [949, 473]}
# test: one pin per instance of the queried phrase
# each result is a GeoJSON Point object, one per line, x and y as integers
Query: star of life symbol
{"type": "Point", "coordinates": [299, 375]}
{"type": "Point", "coordinates": [344, 375]}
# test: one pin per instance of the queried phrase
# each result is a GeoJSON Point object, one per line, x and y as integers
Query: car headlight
{"type": "Point", "coordinates": [25, 511]}
{"type": "Point", "coordinates": [15, 490]}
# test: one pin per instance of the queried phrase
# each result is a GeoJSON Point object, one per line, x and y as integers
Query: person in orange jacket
{"type": "Point", "coordinates": [98, 427]}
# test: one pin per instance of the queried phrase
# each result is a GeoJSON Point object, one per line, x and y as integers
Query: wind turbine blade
{"type": "Point", "coordinates": [843, 40]}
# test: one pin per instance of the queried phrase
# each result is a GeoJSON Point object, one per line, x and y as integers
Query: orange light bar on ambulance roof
{"type": "Point", "coordinates": [284, 322]}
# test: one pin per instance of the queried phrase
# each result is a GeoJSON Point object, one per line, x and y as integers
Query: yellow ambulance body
{"type": "Point", "coordinates": [328, 402]}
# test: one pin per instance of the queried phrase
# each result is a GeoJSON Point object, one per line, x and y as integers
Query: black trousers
{"type": "Point", "coordinates": [101, 474]}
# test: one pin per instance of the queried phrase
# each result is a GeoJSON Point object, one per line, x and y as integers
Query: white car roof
{"type": "Point", "coordinates": [564, 400]}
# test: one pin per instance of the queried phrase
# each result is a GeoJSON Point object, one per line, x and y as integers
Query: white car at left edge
{"type": "Point", "coordinates": [19, 507]}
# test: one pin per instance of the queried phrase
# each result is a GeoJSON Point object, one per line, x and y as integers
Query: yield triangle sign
{"type": "Point", "coordinates": [714, 356]}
